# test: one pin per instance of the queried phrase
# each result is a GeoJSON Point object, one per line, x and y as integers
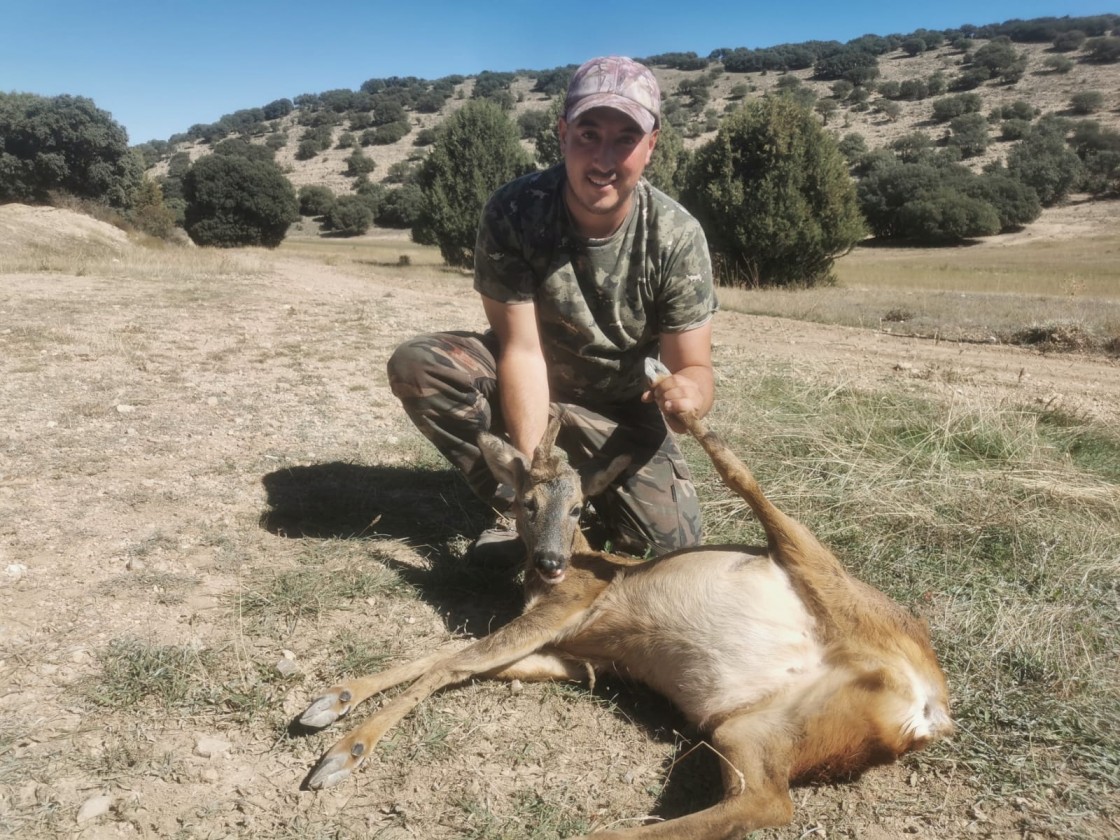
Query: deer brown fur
{"type": "Point", "coordinates": [794, 669]}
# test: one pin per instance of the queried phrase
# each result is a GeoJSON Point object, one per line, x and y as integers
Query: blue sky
{"type": "Point", "coordinates": [159, 67]}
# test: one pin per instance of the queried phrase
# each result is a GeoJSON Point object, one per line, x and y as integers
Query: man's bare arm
{"type": "Point", "coordinates": [522, 374]}
{"type": "Point", "coordinates": [691, 387]}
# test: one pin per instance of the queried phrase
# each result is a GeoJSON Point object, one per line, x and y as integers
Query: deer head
{"type": "Point", "coordinates": [548, 497]}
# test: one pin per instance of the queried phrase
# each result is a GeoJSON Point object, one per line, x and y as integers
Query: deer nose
{"type": "Point", "coordinates": [550, 564]}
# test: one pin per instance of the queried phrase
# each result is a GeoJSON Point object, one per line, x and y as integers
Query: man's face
{"type": "Point", "coordinates": [605, 153]}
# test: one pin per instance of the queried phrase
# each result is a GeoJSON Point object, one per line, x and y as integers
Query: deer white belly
{"type": "Point", "coordinates": [715, 630]}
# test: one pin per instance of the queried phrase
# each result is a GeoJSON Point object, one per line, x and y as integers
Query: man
{"type": "Point", "coordinates": [584, 270]}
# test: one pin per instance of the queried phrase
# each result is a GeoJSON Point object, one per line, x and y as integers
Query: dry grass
{"type": "Point", "coordinates": [1060, 292]}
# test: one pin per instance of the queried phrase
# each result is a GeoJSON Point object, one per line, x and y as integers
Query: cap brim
{"type": "Point", "coordinates": [642, 116]}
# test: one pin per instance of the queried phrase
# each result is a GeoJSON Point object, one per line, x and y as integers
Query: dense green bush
{"type": "Point", "coordinates": [350, 215]}
{"type": "Point", "coordinates": [233, 201]}
{"type": "Point", "coordinates": [315, 200]}
{"type": "Point", "coordinates": [1001, 60]}
{"type": "Point", "coordinates": [774, 196]}
{"type": "Point", "coordinates": [669, 165]}
{"type": "Point", "coordinates": [934, 201]}
{"type": "Point", "coordinates": [400, 207]}
{"type": "Point", "coordinates": [64, 143]}
{"type": "Point", "coordinates": [1015, 203]}
{"type": "Point", "coordinates": [969, 134]}
{"type": "Point", "coordinates": [1044, 162]}
{"type": "Point", "coordinates": [358, 164]}
{"type": "Point", "coordinates": [478, 150]}
{"type": "Point", "coordinates": [243, 148]}
{"type": "Point", "coordinates": [532, 123]}
{"type": "Point", "coordinates": [948, 107]}
{"type": "Point", "coordinates": [856, 66]}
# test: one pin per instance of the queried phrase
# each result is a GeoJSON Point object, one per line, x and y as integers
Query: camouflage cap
{"type": "Point", "coordinates": [617, 82]}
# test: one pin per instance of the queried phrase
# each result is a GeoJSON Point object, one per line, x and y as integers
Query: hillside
{"type": "Point", "coordinates": [1050, 93]}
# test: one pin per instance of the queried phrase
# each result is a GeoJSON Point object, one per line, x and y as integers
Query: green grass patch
{"type": "Point", "coordinates": [1001, 526]}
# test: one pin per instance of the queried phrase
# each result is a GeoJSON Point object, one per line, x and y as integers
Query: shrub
{"type": "Point", "coordinates": [913, 89]}
{"type": "Point", "coordinates": [400, 208]}
{"type": "Point", "coordinates": [350, 215]}
{"type": "Point", "coordinates": [234, 201]}
{"type": "Point", "coordinates": [945, 216]}
{"type": "Point", "coordinates": [245, 149]}
{"type": "Point", "coordinates": [1015, 203]}
{"type": "Point", "coordinates": [854, 65]}
{"type": "Point", "coordinates": [1105, 50]}
{"type": "Point", "coordinates": [969, 134]}
{"type": "Point", "coordinates": [315, 200]}
{"type": "Point", "coordinates": [1042, 161]}
{"type": "Point", "coordinates": [478, 150]}
{"type": "Point", "coordinates": [852, 146]}
{"type": "Point", "coordinates": [1000, 59]}
{"type": "Point", "coordinates": [913, 147]}
{"type": "Point", "coordinates": [359, 164]}
{"type": "Point", "coordinates": [64, 143]}
{"type": "Point", "coordinates": [913, 46]}
{"type": "Point", "coordinates": [1014, 129]}
{"type": "Point", "coordinates": [948, 107]}
{"type": "Point", "coordinates": [669, 165]}
{"type": "Point", "coordinates": [1086, 102]}
{"type": "Point", "coordinates": [1057, 64]}
{"type": "Point", "coordinates": [774, 196]}
{"type": "Point", "coordinates": [149, 212]}
{"type": "Point", "coordinates": [531, 123]}
{"type": "Point", "coordinates": [931, 202]}
{"type": "Point", "coordinates": [1069, 41]}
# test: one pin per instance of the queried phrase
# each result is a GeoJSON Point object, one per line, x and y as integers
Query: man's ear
{"type": "Point", "coordinates": [653, 135]}
{"type": "Point", "coordinates": [562, 131]}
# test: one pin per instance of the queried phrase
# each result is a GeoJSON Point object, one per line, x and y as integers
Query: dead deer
{"type": "Point", "coordinates": [794, 669]}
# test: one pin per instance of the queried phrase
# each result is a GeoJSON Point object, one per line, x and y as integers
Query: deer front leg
{"type": "Point", "coordinates": [339, 699]}
{"type": "Point", "coordinates": [495, 653]}
{"type": "Point", "coordinates": [754, 757]}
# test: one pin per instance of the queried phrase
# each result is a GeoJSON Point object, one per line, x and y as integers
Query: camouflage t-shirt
{"type": "Point", "coordinates": [601, 303]}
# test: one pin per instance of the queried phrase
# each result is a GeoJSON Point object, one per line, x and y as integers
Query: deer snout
{"type": "Point", "coordinates": [550, 565]}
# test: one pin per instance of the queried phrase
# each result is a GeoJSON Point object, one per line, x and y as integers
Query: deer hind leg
{"type": "Point", "coordinates": [497, 653]}
{"type": "Point", "coordinates": [754, 757]}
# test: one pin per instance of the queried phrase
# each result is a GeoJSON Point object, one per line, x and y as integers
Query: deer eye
{"type": "Point", "coordinates": [530, 506]}
{"type": "Point", "coordinates": [575, 511]}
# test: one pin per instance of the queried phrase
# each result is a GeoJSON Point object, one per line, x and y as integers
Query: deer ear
{"type": "Point", "coordinates": [595, 481]}
{"type": "Point", "coordinates": [506, 464]}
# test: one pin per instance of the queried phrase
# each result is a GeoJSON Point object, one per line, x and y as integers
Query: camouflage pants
{"type": "Point", "coordinates": [447, 383]}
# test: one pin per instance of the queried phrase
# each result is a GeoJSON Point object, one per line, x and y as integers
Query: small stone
{"type": "Point", "coordinates": [208, 747]}
{"type": "Point", "coordinates": [515, 687]}
{"type": "Point", "coordinates": [15, 571]}
{"type": "Point", "coordinates": [124, 408]}
{"type": "Point", "coordinates": [94, 807]}
{"type": "Point", "coordinates": [287, 668]}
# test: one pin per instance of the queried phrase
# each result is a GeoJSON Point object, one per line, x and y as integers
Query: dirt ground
{"type": "Point", "coordinates": [171, 441]}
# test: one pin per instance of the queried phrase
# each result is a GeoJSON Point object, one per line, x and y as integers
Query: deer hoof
{"type": "Point", "coordinates": [330, 771]}
{"type": "Point", "coordinates": [324, 711]}
{"type": "Point", "coordinates": [655, 371]}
